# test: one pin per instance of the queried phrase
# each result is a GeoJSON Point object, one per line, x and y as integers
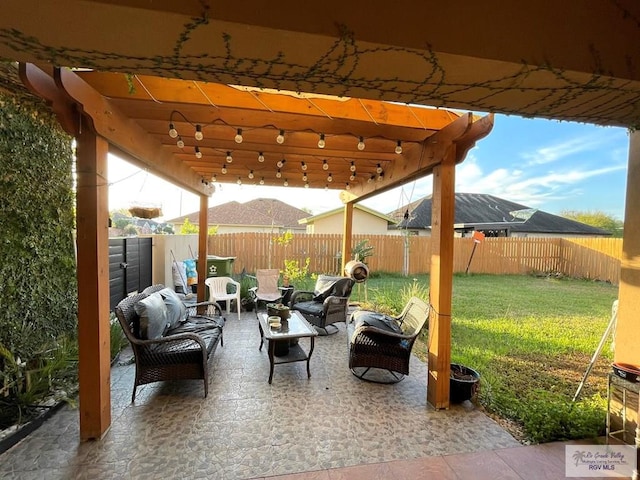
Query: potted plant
{"type": "Point", "coordinates": [463, 383]}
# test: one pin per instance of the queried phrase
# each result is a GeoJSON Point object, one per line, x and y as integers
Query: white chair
{"type": "Point", "coordinates": [218, 291]}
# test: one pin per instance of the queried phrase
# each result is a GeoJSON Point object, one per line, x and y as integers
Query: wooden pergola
{"type": "Point", "coordinates": [222, 67]}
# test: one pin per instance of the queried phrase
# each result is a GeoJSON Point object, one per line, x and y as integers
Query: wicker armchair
{"type": "Point", "coordinates": [326, 305]}
{"type": "Point", "coordinates": [380, 346]}
{"type": "Point", "coordinates": [179, 352]}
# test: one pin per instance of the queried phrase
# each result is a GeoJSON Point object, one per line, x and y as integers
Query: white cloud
{"type": "Point", "coordinates": [572, 146]}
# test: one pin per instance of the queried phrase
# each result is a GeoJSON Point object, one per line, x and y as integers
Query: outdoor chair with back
{"type": "Point", "coordinates": [219, 291]}
{"type": "Point", "coordinates": [266, 289]}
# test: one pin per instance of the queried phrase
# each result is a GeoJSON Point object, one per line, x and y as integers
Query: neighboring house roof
{"type": "Point", "coordinates": [258, 212]}
{"type": "Point", "coordinates": [485, 212]}
{"type": "Point", "coordinates": [329, 213]}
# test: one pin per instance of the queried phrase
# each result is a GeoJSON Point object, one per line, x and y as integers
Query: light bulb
{"type": "Point", "coordinates": [180, 143]}
{"type": "Point", "coordinates": [306, 185]}
{"type": "Point", "coordinates": [352, 167]}
{"type": "Point", "coordinates": [352, 177]}
{"type": "Point", "coordinates": [304, 166]}
{"type": "Point", "coordinates": [238, 138]}
{"type": "Point", "coordinates": [250, 174]}
{"type": "Point", "coordinates": [325, 165]}
{"type": "Point", "coordinates": [198, 153]}
{"type": "Point", "coordinates": [278, 174]}
{"type": "Point", "coordinates": [286, 182]}
{"type": "Point", "coordinates": [199, 136]}
{"type": "Point", "coordinates": [330, 178]}
{"type": "Point", "coordinates": [326, 187]}
{"type": "Point", "coordinates": [371, 179]}
{"type": "Point", "coordinates": [224, 170]}
{"type": "Point", "coordinates": [260, 157]}
{"type": "Point", "coordinates": [239, 181]}
{"type": "Point", "coordinates": [379, 169]}
{"type": "Point", "coordinates": [214, 178]}
{"type": "Point", "coordinates": [173, 133]}
{"type": "Point", "coordinates": [262, 181]}
{"type": "Point", "coordinates": [280, 163]}
{"type": "Point", "coordinates": [399, 147]}
{"type": "Point", "coordinates": [229, 157]}
{"type": "Point", "coordinates": [381, 177]}
{"type": "Point", "coordinates": [304, 177]}
{"type": "Point", "coordinates": [347, 186]}
{"type": "Point", "coordinates": [321, 142]}
{"type": "Point", "coordinates": [280, 137]}
{"type": "Point", "coordinates": [361, 144]}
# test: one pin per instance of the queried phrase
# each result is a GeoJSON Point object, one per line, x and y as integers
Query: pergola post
{"type": "Point", "coordinates": [628, 328]}
{"type": "Point", "coordinates": [203, 228]}
{"type": "Point", "coordinates": [347, 231]}
{"type": "Point", "coordinates": [441, 281]}
{"type": "Point", "coordinates": [93, 285]}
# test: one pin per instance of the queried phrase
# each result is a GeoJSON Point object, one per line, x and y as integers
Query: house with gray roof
{"type": "Point", "coordinates": [493, 216]}
{"type": "Point", "coordinates": [263, 215]}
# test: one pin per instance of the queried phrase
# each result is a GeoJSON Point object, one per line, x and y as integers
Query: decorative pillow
{"type": "Point", "coordinates": [323, 288]}
{"type": "Point", "coordinates": [377, 320]}
{"type": "Point", "coordinates": [176, 311]}
{"type": "Point", "coordinates": [153, 317]}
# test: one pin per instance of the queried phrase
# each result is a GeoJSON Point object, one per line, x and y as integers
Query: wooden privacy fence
{"type": "Point", "coordinates": [591, 258]}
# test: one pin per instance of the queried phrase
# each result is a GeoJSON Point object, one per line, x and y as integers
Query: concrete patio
{"type": "Point", "coordinates": [326, 427]}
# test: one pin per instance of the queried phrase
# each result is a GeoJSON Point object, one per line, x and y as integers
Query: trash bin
{"type": "Point", "coordinates": [219, 266]}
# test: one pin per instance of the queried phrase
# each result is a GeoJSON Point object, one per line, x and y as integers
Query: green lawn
{"type": "Point", "coordinates": [530, 338]}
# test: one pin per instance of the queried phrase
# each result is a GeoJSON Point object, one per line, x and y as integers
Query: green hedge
{"type": "Point", "coordinates": [37, 261]}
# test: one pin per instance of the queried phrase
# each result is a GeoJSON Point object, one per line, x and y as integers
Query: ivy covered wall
{"type": "Point", "coordinates": [37, 259]}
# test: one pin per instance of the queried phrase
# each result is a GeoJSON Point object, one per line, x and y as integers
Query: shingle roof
{"type": "Point", "coordinates": [258, 212]}
{"type": "Point", "coordinates": [478, 208]}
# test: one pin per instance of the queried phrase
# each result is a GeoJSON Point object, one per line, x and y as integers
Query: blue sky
{"type": "Point", "coordinates": [544, 164]}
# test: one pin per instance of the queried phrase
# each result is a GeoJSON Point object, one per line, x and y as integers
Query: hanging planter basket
{"type": "Point", "coordinates": [145, 212]}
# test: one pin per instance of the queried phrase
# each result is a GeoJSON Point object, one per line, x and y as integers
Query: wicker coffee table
{"type": "Point", "coordinates": [294, 328]}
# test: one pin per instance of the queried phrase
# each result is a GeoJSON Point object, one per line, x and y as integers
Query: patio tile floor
{"type": "Point", "coordinates": [331, 426]}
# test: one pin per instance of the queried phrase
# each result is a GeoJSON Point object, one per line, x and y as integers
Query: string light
{"type": "Point", "coordinates": [371, 179]}
{"type": "Point", "coordinates": [280, 163]}
{"type": "Point", "coordinates": [352, 167]}
{"type": "Point", "coordinates": [325, 165]}
{"type": "Point", "coordinates": [280, 137]}
{"type": "Point", "coordinates": [306, 185]}
{"type": "Point", "coordinates": [199, 136]}
{"type": "Point", "coordinates": [224, 169]}
{"type": "Point", "coordinates": [326, 187]}
{"type": "Point", "coordinates": [321, 142]}
{"type": "Point", "coordinates": [180, 143]}
{"type": "Point", "coordinates": [352, 177]}
{"type": "Point", "coordinates": [198, 153]}
{"type": "Point", "coordinates": [399, 147]}
{"type": "Point", "coordinates": [214, 178]}
{"type": "Point", "coordinates": [286, 182]}
{"type": "Point", "coordinates": [173, 133]}
{"type": "Point", "coordinates": [250, 174]}
{"type": "Point", "coordinates": [361, 144]}
{"type": "Point", "coordinates": [260, 157]}
{"type": "Point", "coordinates": [304, 177]}
{"type": "Point", "coordinates": [278, 174]}
{"type": "Point", "coordinates": [379, 169]}
{"type": "Point", "coordinates": [239, 181]}
{"type": "Point", "coordinates": [229, 157]}
{"type": "Point", "coordinates": [381, 177]}
{"type": "Point", "coordinates": [347, 186]}
{"type": "Point", "coordinates": [262, 181]}
{"type": "Point", "coordinates": [303, 166]}
{"type": "Point", "coordinates": [330, 178]}
{"type": "Point", "coordinates": [238, 138]}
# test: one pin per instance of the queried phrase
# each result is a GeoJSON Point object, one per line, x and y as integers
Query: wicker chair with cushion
{"type": "Point", "coordinates": [326, 305]}
{"type": "Point", "coordinates": [170, 341]}
{"type": "Point", "coordinates": [380, 345]}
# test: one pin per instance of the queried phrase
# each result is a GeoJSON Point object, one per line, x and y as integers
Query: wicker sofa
{"type": "Point", "coordinates": [170, 340]}
{"type": "Point", "coordinates": [380, 345]}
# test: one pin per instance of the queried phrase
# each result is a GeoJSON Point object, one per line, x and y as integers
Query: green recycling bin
{"type": "Point", "coordinates": [219, 266]}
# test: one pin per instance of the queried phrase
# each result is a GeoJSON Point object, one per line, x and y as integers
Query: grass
{"type": "Point", "coordinates": [530, 338]}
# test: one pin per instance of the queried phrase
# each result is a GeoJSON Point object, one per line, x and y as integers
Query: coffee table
{"type": "Point", "coordinates": [295, 327]}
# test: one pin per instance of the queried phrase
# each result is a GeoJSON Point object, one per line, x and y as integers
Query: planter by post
{"type": "Point", "coordinates": [463, 383]}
